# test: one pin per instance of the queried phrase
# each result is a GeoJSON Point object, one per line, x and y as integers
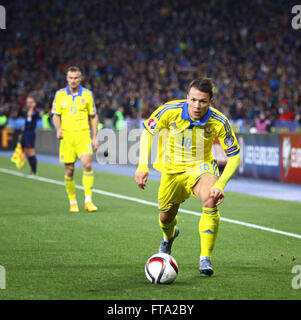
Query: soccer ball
{"type": "Point", "coordinates": [161, 268]}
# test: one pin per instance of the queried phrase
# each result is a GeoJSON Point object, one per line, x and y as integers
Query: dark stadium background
{"type": "Point", "coordinates": [140, 54]}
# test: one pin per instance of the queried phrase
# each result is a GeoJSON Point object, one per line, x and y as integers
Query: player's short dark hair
{"type": "Point", "coordinates": [74, 69]}
{"type": "Point", "coordinates": [202, 84]}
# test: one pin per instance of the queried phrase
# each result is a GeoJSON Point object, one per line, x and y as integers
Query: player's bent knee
{"type": "Point", "coordinates": [69, 170]}
{"type": "Point", "coordinates": [166, 218]}
{"type": "Point", "coordinates": [29, 152]}
{"type": "Point", "coordinates": [209, 202]}
{"type": "Point", "coordinates": [87, 164]}
{"type": "Point", "coordinates": [87, 167]}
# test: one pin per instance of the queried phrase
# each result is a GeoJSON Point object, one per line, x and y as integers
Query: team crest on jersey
{"type": "Point", "coordinates": [207, 132]}
{"type": "Point", "coordinates": [83, 101]}
{"type": "Point", "coordinates": [152, 124]}
{"type": "Point", "coordinates": [64, 103]}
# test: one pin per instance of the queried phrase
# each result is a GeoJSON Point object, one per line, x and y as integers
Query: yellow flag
{"type": "Point", "coordinates": [18, 156]}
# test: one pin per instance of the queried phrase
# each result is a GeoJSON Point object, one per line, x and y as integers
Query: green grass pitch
{"type": "Point", "coordinates": [49, 253]}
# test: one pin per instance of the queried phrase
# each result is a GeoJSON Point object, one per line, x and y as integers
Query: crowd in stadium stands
{"type": "Point", "coordinates": [140, 54]}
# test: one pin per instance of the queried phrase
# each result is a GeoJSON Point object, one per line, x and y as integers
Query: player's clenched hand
{"type": "Point", "coordinates": [141, 179]}
{"type": "Point", "coordinates": [59, 134]}
{"type": "Point", "coordinates": [217, 195]}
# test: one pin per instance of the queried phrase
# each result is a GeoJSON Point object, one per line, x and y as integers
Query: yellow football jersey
{"type": "Point", "coordinates": [74, 109]}
{"type": "Point", "coordinates": [184, 143]}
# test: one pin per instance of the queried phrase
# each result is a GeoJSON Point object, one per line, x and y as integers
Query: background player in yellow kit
{"type": "Point", "coordinates": [74, 112]}
{"type": "Point", "coordinates": [187, 129]}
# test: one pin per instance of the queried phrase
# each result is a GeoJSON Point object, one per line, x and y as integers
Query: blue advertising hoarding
{"type": "Point", "coordinates": [260, 156]}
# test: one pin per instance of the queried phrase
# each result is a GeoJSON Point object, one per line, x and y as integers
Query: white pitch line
{"type": "Point", "coordinates": [149, 203]}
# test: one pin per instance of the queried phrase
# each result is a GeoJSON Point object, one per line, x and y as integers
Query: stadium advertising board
{"type": "Point", "coordinates": [291, 157]}
{"type": "Point", "coordinates": [8, 139]}
{"type": "Point", "coordinates": [260, 156]}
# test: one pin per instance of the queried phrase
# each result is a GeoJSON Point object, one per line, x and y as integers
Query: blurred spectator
{"type": "Point", "coordinates": [3, 117]}
{"type": "Point", "coordinates": [139, 56]}
{"type": "Point", "coordinates": [262, 123]}
{"type": "Point", "coordinates": [285, 112]}
{"type": "Point", "coordinates": [118, 119]}
{"type": "Point", "coordinates": [46, 119]}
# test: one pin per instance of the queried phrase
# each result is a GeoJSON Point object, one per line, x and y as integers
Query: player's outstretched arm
{"type": "Point", "coordinates": [142, 171]}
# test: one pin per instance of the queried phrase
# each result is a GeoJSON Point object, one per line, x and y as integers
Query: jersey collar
{"type": "Point", "coordinates": [80, 91]}
{"type": "Point", "coordinates": [202, 122]}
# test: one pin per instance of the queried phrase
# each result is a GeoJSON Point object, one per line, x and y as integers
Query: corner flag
{"type": "Point", "coordinates": [18, 156]}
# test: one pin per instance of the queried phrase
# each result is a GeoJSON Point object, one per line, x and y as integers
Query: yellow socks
{"type": "Point", "coordinates": [88, 181]}
{"type": "Point", "coordinates": [70, 188]}
{"type": "Point", "coordinates": [168, 229]}
{"type": "Point", "coordinates": [208, 229]}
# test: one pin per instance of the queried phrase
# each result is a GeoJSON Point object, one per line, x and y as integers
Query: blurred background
{"type": "Point", "coordinates": [136, 55]}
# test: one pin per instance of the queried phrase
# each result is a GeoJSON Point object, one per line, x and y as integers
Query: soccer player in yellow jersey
{"type": "Point", "coordinates": [187, 129]}
{"type": "Point", "coordinates": [74, 113]}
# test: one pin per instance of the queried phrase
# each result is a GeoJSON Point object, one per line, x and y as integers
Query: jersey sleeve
{"type": "Point", "coordinates": [157, 121]}
{"type": "Point", "coordinates": [228, 140]}
{"type": "Point", "coordinates": [91, 106]}
{"type": "Point", "coordinates": [56, 105]}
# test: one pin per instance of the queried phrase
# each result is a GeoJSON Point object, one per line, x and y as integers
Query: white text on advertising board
{"type": "Point", "coordinates": [262, 155]}
{"type": "Point", "coordinates": [296, 158]}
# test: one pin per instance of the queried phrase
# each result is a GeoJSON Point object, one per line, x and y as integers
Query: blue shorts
{"type": "Point", "coordinates": [28, 139]}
